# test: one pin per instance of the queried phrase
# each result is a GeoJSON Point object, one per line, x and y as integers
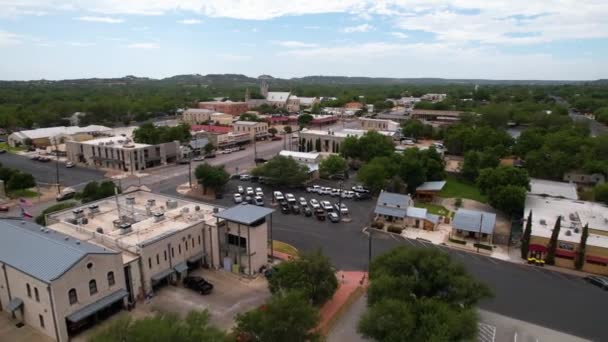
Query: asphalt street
{"type": "Point", "coordinates": [47, 172]}
{"type": "Point", "coordinates": [547, 298]}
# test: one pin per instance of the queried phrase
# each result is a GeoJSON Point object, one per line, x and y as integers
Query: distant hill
{"type": "Point", "coordinates": [230, 80]}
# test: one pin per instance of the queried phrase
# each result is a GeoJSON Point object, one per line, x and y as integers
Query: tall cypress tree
{"type": "Point", "coordinates": [582, 246]}
{"type": "Point", "coordinates": [525, 239]}
{"type": "Point", "coordinates": [550, 258]}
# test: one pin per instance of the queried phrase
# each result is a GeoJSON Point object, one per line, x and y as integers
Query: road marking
{"type": "Point", "coordinates": [515, 337]}
{"type": "Point", "coordinates": [486, 332]}
{"type": "Point", "coordinates": [411, 242]}
{"type": "Point", "coordinates": [490, 259]}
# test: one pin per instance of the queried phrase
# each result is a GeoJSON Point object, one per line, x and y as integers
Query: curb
{"type": "Point", "coordinates": [352, 298]}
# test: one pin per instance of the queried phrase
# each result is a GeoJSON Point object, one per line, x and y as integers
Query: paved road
{"type": "Point", "coordinates": [551, 299]}
{"type": "Point", "coordinates": [46, 172]}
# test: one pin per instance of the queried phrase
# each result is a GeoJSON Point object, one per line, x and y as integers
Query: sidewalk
{"type": "Point", "coordinates": [352, 285]}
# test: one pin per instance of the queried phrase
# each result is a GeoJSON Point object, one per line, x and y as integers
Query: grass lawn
{"type": "Point", "coordinates": [434, 208]}
{"type": "Point", "coordinates": [9, 148]}
{"type": "Point", "coordinates": [23, 193]}
{"type": "Point", "coordinates": [284, 248]}
{"type": "Point", "coordinates": [455, 188]}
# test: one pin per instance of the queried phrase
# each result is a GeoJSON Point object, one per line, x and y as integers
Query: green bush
{"type": "Point", "coordinates": [377, 225]}
{"type": "Point", "coordinates": [458, 202]}
{"type": "Point", "coordinates": [483, 246]}
{"type": "Point", "coordinates": [40, 219]}
{"type": "Point", "coordinates": [395, 229]}
{"type": "Point", "coordinates": [458, 241]}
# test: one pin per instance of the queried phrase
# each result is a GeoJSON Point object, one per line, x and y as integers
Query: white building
{"type": "Point", "coordinates": [379, 124]}
{"type": "Point", "coordinates": [309, 159]}
{"type": "Point", "coordinates": [43, 137]}
{"type": "Point", "coordinates": [330, 140]}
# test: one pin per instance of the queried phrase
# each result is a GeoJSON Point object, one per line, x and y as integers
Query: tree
{"type": "Point", "coordinates": [147, 133]}
{"type": "Point", "coordinates": [332, 165]}
{"type": "Point", "coordinates": [426, 319]}
{"type": "Point", "coordinates": [305, 119]}
{"type": "Point", "coordinates": [249, 117]}
{"type": "Point", "coordinates": [162, 327]}
{"type": "Point", "coordinates": [209, 148]}
{"type": "Point", "coordinates": [311, 274]}
{"type": "Point", "coordinates": [41, 219]}
{"type": "Point", "coordinates": [550, 258]}
{"type": "Point", "coordinates": [282, 171]}
{"type": "Point", "coordinates": [601, 193]}
{"type": "Point", "coordinates": [508, 198]}
{"type": "Point", "coordinates": [20, 180]}
{"type": "Point", "coordinates": [211, 177]}
{"type": "Point", "coordinates": [272, 131]}
{"type": "Point", "coordinates": [490, 179]}
{"type": "Point", "coordinates": [349, 147]}
{"type": "Point", "coordinates": [579, 262]}
{"type": "Point", "coordinates": [470, 166]}
{"type": "Point", "coordinates": [525, 239]}
{"type": "Point", "coordinates": [371, 144]}
{"type": "Point", "coordinates": [287, 129]}
{"type": "Point", "coordinates": [373, 175]}
{"type": "Point", "coordinates": [286, 316]}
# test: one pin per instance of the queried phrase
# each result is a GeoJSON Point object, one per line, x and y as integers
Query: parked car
{"type": "Point", "coordinates": [259, 193]}
{"type": "Point", "coordinates": [258, 200]}
{"type": "Point", "coordinates": [198, 158]}
{"type": "Point", "coordinates": [316, 188]}
{"type": "Point", "coordinates": [249, 191]}
{"type": "Point", "coordinates": [320, 214]}
{"type": "Point", "coordinates": [295, 208]}
{"type": "Point", "coordinates": [44, 159]}
{"type": "Point", "coordinates": [275, 138]}
{"type": "Point", "coordinates": [36, 157]}
{"type": "Point", "coordinates": [334, 192]}
{"type": "Point", "coordinates": [326, 205]}
{"type": "Point", "coordinates": [303, 202]}
{"type": "Point", "coordinates": [240, 189]}
{"type": "Point", "coordinates": [70, 165]}
{"type": "Point", "coordinates": [408, 142]}
{"type": "Point", "coordinates": [198, 284]}
{"type": "Point", "coordinates": [359, 188]}
{"type": "Point", "coordinates": [4, 208]}
{"type": "Point", "coordinates": [278, 196]}
{"type": "Point", "coordinates": [307, 211]}
{"type": "Point", "coordinates": [338, 176]}
{"type": "Point", "coordinates": [360, 196]}
{"type": "Point", "coordinates": [2, 151]}
{"type": "Point", "coordinates": [238, 198]}
{"type": "Point", "coordinates": [258, 189]}
{"type": "Point", "coordinates": [212, 155]}
{"type": "Point", "coordinates": [249, 199]}
{"type": "Point", "coordinates": [342, 208]}
{"type": "Point", "coordinates": [324, 191]}
{"type": "Point", "coordinates": [599, 281]}
{"type": "Point", "coordinates": [65, 194]}
{"type": "Point", "coordinates": [314, 204]}
{"type": "Point", "coordinates": [290, 198]}
{"type": "Point", "coordinates": [285, 208]}
{"type": "Point", "coordinates": [245, 177]}
{"type": "Point", "coordinates": [333, 217]}
{"type": "Point", "coordinates": [348, 194]}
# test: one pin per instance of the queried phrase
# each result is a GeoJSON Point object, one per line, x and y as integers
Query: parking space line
{"type": "Point", "coordinates": [411, 242]}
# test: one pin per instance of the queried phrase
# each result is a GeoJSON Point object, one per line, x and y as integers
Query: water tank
{"type": "Point", "coordinates": [171, 204]}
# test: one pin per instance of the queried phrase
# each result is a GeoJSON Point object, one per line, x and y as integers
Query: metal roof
{"type": "Point", "coordinates": [388, 211]}
{"type": "Point", "coordinates": [244, 213]}
{"type": "Point", "coordinates": [414, 212]}
{"type": "Point", "coordinates": [391, 199]}
{"type": "Point", "coordinates": [432, 218]}
{"type": "Point", "coordinates": [469, 220]}
{"type": "Point", "coordinates": [40, 252]}
{"type": "Point", "coordinates": [431, 186]}
{"type": "Point", "coordinates": [181, 267]}
{"type": "Point", "coordinates": [92, 308]}
{"type": "Point", "coordinates": [553, 189]}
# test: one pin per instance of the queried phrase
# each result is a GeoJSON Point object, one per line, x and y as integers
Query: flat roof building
{"type": "Point", "coordinates": [446, 116]}
{"type": "Point", "coordinates": [379, 124]}
{"type": "Point", "coordinates": [197, 116]}
{"type": "Point", "coordinates": [228, 107]}
{"type": "Point", "coordinates": [330, 140]}
{"type": "Point", "coordinates": [43, 137]}
{"type": "Point", "coordinates": [256, 129]}
{"type": "Point", "coordinates": [56, 283]}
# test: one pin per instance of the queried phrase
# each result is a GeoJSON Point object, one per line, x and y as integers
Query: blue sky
{"type": "Point", "coordinates": [513, 39]}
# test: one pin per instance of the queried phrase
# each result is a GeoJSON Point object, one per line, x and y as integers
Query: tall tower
{"type": "Point", "coordinates": [247, 95]}
{"type": "Point", "coordinates": [264, 88]}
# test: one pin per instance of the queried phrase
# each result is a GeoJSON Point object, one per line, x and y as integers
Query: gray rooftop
{"type": "Point", "coordinates": [40, 252]}
{"type": "Point", "coordinates": [388, 211]}
{"type": "Point", "coordinates": [553, 189]}
{"type": "Point", "coordinates": [244, 213]}
{"type": "Point", "coordinates": [393, 200]}
{"type": "Point", "coordinates": [469, 220]}
{"type": "Point", "coordinates": [431, 186]}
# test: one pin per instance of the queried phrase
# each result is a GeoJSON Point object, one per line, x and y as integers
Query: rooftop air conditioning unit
{"type": "Point", "coordinates": [130, 200]}
{"type": "Point", "coordinates": [185, 210]}
{"type": "Point", "coordinates": [94, 209]}
{"type": "Point", "coordinates": [543, 222]}
{"type": "Point", "coordinates": [171, 204]}
{"type": "Point", "coordinates": [99, 230]}
{"type": "Point", "coordinates": [125, 228]}
{"type": "Point", "coordinates": [151, 202]}
{"type": "Point", "coordinates": [159, 217]}
{"type": "Point", "coordinates": [78, 213]}
{"type": "Point", "coordinates": [197, 208]}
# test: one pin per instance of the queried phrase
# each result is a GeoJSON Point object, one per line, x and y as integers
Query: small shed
{"type": "Point", "coordinates": [474, 224]}
{"type": "Point", "coordinates": [428, 190]}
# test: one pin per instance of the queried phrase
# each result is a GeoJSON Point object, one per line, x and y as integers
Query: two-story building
{"type": "Point", "coordinates": [379, 124]}
{"type": "Point", "coordinates": [197, 116]}
{"type": "Point", "coordinates": [56, 283]}
{"type": "Point", "coordinates": [330, 140]}
{"type": "Point", "coordinates": [256, 129]}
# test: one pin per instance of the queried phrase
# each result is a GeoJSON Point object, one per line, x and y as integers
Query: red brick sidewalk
{"type": "Point", "coordinates": [349, 284]}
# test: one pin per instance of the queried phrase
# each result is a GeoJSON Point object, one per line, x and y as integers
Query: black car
{"type": "Point", "coordinates": [360, 196]}
{"type": "Point", "coordinates": [198, 284]}
{"type": "Point", "coordinates": [307, 211]}
{"type": "Point", "coordinates": [320, 214]}
{"type": "Point", "coordinates": [2, 151]}
{"type": "Point", "coordinates": [295, 208]}
{"type": "Point", "coordinates": [599, 281]}
{"type": "Point", "coordinates": [285, 209]}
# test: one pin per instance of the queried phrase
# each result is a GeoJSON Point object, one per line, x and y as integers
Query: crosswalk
{"type": "Point", "coordinates": [486, 332]}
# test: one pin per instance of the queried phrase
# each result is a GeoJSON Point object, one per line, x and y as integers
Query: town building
{"type": "Point", "coordinates": [575, 214]}
{"type": "Point", "coordinates": [399, 210]}
{"type": "Point", "coordinates": [280, 99]}
{"type": "Point", "coordinates": [399, 116]}
{"type": "Point", "coordinates": [585, 178]}
{"type": "Point", "coordinates": [379, 124]}
{"type": "Point", "coordinates": [474, 224]}
{"type": "Point", "coordinates": [162, 237]}
{"type": "Point", "coordinates": [436, 116]}
{"type": "Point", "coordinates": [221, 137]}
{"type": "Point", "coordinates": [330, 140]}
{"type": "Point", "coordinates": [55, 283]}
{"type": "Point", "coordinates": [43, 137]}
{"type": "Point", "coordinates": [196, 116]}
{"type": "Point", "coordinates": [228, 107]}
{"type": "Point", "coordinates": [309, 159]}
{"type": "Point", "coordinates": [433, 97]}
{"type": "Point", "coordinates": [353, 105]}
{"type": "Point", "coordinates": [428, 190]}
{"type": "Point", "coordinates": [256, 129]}
{"type": "Point", "coordinates": [308, 102]}
{"type": "Point", "coordinates": [120, 153]}
{"type": "Point", "coordinates": [543, 187]}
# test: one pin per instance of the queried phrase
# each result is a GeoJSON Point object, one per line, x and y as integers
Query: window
{"type": "Point", "coordinates": [157, 260]}
{"type": "Point", "coordinates": [29, 290]}
{"type": "Point", "coordinates": [73, 297]}
{"type": "Point", "coordinates": [192, 242]}
{"type": "Point", "coordinates": [149, 262]}
{"type": "Point", "coordinates": [36, 294]}
{"type": "Point", "coordinates": [111, 280]}
{"type": "Point", "coordinates": [90, 265]}
{"type": "Point", "coordinates": [186, 244]}
{"type": "Point", "coordinates": [41, 320]}
{"type": "Point", "coordinates": [199, 240]}
{"type": "Point", "coordinates": [172, 252]}
{"type": "Point", "coordinates": [92, 287]}
{"type": "Point", "coordinates": [165, 253]}
{"type": "Point", "coordinates": [237, 241]}
{"type": "Point", "coordinates": [179, 248]}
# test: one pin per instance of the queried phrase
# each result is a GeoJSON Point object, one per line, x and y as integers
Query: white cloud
{"type": "Point", "coordinates": [80, 44]}
{"type": "Point", "coordinates": [105, 20]}
{"type": "Point", "coordinates": [399, 35]}
{"type": "Point", "coordinates": [358, 28]}
{"type": "Point", "coordinates": [189, 21]}
{"type": "Point", "coordinates": [9, 38]}
{"type": "Point", "coordinates": [144, 46]}
{"type": "Point", "coordinates": [293, 44]}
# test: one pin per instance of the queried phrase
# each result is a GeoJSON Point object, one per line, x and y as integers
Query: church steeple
{"type": "Point", "coordinates": [264, 88]}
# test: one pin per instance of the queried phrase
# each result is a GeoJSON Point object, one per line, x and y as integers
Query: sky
{"type": "Point", "coordinates": [492, 39]}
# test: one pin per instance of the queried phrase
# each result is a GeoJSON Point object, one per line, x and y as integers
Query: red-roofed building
{"type": "Point", "coordinates": [354, 105]}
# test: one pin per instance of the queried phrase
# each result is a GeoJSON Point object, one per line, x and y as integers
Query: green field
{"type": "Point", "coordinates": [22, 193]}
{"type": "Point", "coordinates": [9, 148]}
{"type": "Point", "coordinates": [434, 208]}
{"type": "Point", "coordinates": [457, 188]}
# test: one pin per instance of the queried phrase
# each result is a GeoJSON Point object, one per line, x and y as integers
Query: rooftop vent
{"type": "Point", "coordinates": [543, 222]}
{"type": "Point", "coordinates": [568, 233]}
{"type": "Point", "coordinates": [125, 228]}
{"type": "Point", "coordinates": [216, 210]}
{"type": "Point", "coordinates": [171, 204]}
{"type": "Point", "coordinates": [197, 208]}
{"type": "Point", "coordinates": [151, 202]}
{"type": "Point", "coordinates": [99, 230]}
{"type": "Point", "coordinates": [78, 213]}
{"type": "Point", "coordinates": [185, 210]}
{"type": "Point", "coordinates": [159, 217]}
{"type": "Point", "coordinates": [130, 200]}
{"type": "Point", "coordinates": [94, 209]}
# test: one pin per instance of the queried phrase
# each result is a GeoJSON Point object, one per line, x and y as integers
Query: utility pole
{"type": "Point", "coordinates": [255, 150]}
{"type": "Point", "coordinates": [190, 169]}
{"type": "Point", "coordinates": [57, 166]}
